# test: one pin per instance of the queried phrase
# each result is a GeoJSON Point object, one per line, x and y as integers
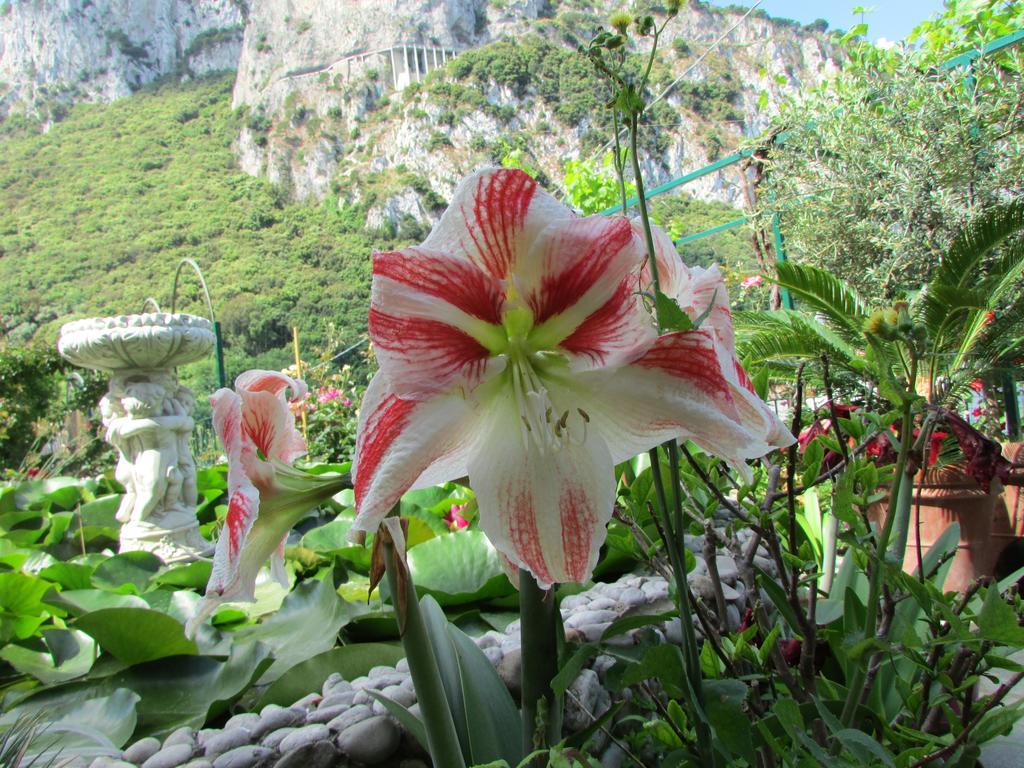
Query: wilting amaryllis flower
{"type": "Point", "coordinates": [266, 495]}
{"type": "Point", "coordinates": [514, 348]}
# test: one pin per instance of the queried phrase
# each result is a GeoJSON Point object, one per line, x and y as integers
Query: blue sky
{"type": "Point", "coordinates": [890, 19]}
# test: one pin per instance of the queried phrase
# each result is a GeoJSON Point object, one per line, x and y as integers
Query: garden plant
{"type": "Point", "coordinates": [560, 404]}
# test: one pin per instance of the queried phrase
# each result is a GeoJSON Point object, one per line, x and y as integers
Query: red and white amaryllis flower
{"type": "Point", "coordinates": [266, 495]}
{"type": "Point", "coordinates": [514, 348]}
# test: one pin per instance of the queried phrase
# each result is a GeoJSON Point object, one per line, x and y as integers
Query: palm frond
{"type": "Point", "coordinates": [976, 240]}
{"type": "Point", "coordinates": [790, 336]}
{"type": "Point", "coordinates": [823, 292]}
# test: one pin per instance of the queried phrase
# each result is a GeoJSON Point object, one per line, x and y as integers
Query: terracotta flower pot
{"type": "Point", "coordinates": [943, 496]}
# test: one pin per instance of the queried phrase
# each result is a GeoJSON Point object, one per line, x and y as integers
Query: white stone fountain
{"type": "Point", "coordinates": [148, 419]}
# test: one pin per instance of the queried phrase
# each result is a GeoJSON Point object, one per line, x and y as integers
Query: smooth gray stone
{"type": "Point", "coordinates": [574, 602]}
{"type": "Point", "coordinates": [579, 707]}
{"type": "Point", "coordinates": [401, 694]}
{"type": "Point", "coordinates": [702, 587]}
{"type": "Point", "coordinates": [354, 715]}
{"type": "Point", "coordinates": [593, 632]}
{"type": "Point", "coordinates": [273, 718]}
{"type": "Point", "coordinates": [244, 757]}
{"type": "Point", "coordinates": [170, 757]}
{"type": "Point", "coordinates": [342, 698]}
{"type": "Point", "coordinates": [493, 655]}
{"type": "Point", "coordinates": [301, 737]}
{"type": "Point", "coordinates": [199, 762]}
{"type": "Point", "coordinates": [326, 714]}
{"type": "Point", "coordinates": [380, 681]}
{"type": "Point", "coordinates": [402, 665]}
{"type": "Point", "coordinates": [183, 735]}
{"type": "Point", "coordinates": [308, 701]}
{"type": "Point", "coordinates": [110, 762]}
{"type": "Point", "coordinates": [380, 671]}
{"type": "Point", "coordinates": [141, 750]}
{"type": "Point", "coordinates": [604, 603]}
{"type": "Point", "coordinates": [633, 596]}
{"type": "Point", "coordinates": [584, 618]}
{"type": "Point", "coordinates": [321, 754]}
{"type": "Point", "coordinates": [727, 569]}
{"type": "Point", "coordinates": [362, 697]}
{"type": "Point", "coordinates": [273, 739]}
{"type": "Point", "coordinates": [332, 680]}
{"type": "Point", "coordinates": [242, 720]}
{"type": "Point", "coordinates": [226, 741]}
{"type": "Point", "coordinates": [732, 617]}
{"type": "Point", "coordinates": [510, 671]}
{"type": "Point", "coordinates": [371, 742]}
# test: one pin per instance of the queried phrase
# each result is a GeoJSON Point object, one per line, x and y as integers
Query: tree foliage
{"type": "Point", "coordinates": [882, 166]}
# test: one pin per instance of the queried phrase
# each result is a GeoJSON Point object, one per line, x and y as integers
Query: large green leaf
{"type": "Point", "coordinates": [307, 624]}
{"type": "Point", "coordinates": [82, 601]}
{"type": "Point", "coordinates": [490, 712]}
{"type": "Point", "coordinates": [194, 575]}
{"type": "Point", "coordinates": [135, 635]}
{"type": "Point", "coordinates": [88, 728]}
{"type": "Point", "coordinates": [459, 568]}
{"type": "Point", "coordinates": [21, 605]}
{"type": "Point", "coordinates": [127, 573]}
{"type": "Point", "coordinates": [176, 691]}
{"type": "Point", "coordinates": [41, 664]}
{"type": "Point", "coordinates": [350, 661]}
{"type": "Point", "coordinates": [68, 575]}
{"type": "Point", "coordinates": [332, 539]}
{"type": "Point", "coordinates": [723, 704]}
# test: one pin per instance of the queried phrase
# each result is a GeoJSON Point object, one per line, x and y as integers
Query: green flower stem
{"type": "Point", "coordinates": [442, 739]}
{"type": "Point", "coordinates": [673, 532]}
{"type": "Point", "coordinates": [900, 498]}
{"type": "Point", "coordinates": [645, 220]}
{"type": "Point", "coordinates": [539, 618]}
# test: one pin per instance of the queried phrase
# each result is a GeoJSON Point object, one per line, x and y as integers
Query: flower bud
{"type": "Point", "coordinates": [882, 323]}
{"type": "Point", "coordinates": [620, 21]}
{"type": "Point", "coordinates": [672, 7]}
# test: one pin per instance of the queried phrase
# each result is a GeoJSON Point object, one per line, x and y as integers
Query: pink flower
{"type": "Point", "coordinates": [751, 282]}
{"type": "Point", "coordinates": [514, 348]}
{"type": "Point", "coordinates": [325, 395]}
{"type": "Point", "coordinates": [977, 385]}
{"type": "Point", "coordinates": [346, 402]}
{"type": "Point", "coordinates": [266, 495]}
{"type": "Point", "coordinates": [976, 413]}
{"type": "Point", "coordinates": [454, 518]}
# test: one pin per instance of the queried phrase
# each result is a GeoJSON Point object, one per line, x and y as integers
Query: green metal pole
{"type": "Point", "coordinates": [1012, 410]}
{"type": "Point", "coordinates": [222, 376]}
{"type": "Point", "coordinates": [780, 255]}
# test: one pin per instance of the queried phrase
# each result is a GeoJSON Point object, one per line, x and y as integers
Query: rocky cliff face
{"type": "Point", "coordinates": [53, 52]}
{"type": "Point", "coordinates": [326, 86]}
{"type": "Point", "coordinates": [388, 103]}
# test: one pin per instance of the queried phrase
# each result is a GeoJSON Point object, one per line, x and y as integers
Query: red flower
{"type": "Point", "coordinates": [989, 317]}
{"type": "Point", "coordinates": [976, 413]}
{"type": "Point", "coordinates": [984, 457]}
{"type": "Point", "coordinates": [977, 385]}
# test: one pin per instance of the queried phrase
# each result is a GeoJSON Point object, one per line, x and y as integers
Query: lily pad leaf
{"type": "Point", "coordinates": [459, 568]}
{"type": "Point", "coordinates": [135, 635]}
{"type": "Point", "coordinates": [127, 573]}
{"type": "Point", "coordinates": [307, 623]}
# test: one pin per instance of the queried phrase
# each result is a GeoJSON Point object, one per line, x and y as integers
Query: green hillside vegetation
{"type": "Point", "coordinates": [98, 211]}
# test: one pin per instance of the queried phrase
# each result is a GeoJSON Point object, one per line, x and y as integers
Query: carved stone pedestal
{"type": "Point", "coordinates": [148, 418]}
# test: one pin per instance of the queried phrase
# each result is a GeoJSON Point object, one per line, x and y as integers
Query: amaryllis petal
{"type": "Point", "coordinates": [266, 497]}
{"type": "Point", "coordinates": [243, 508]}
{"type": "Point", "coordinates": [580, 282]}
{"type": "Point", "coordinates": [545, 510]}
{"type": "Point", "coordinates": [431, 319]}
{"type": "Point", "coordinates": [677, 390]}
{"type": "Point", "coordinates": [493, 218]}
{"type": "Point", "coordinates": [399, 440]}
{"type": "Point", "coordinates": [267, 422]}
